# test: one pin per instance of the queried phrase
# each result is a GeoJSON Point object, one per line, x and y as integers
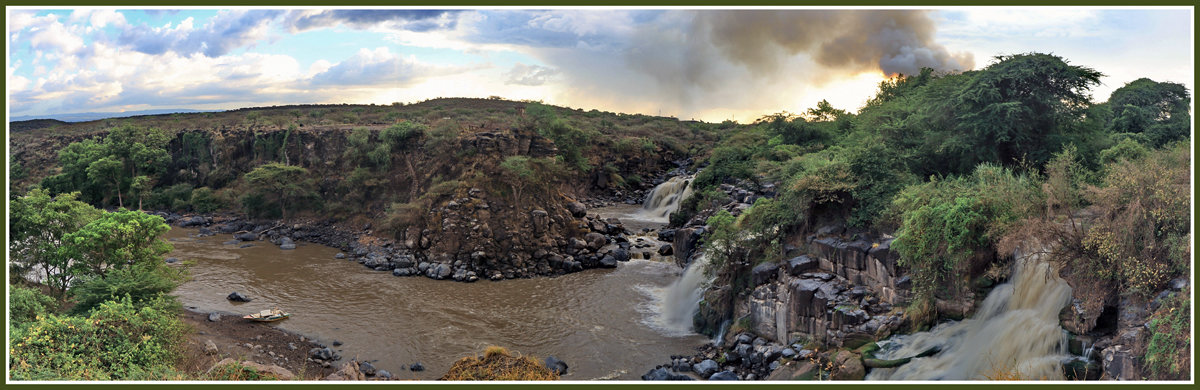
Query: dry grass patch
{"type": "Point", "coordinates": [497, 364]}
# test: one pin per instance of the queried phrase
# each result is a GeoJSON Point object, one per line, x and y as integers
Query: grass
{"type": "Point", "coordinates": [497, 364]}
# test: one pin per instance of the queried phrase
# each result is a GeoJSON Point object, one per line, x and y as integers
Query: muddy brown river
{"type": "Point", "coordinates": [603, 323]}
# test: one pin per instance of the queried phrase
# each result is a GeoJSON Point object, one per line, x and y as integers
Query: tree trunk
{"type": "Point", "coordinates": [412, 190]}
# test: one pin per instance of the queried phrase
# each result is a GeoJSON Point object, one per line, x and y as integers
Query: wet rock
{"type": "Point", "coordinates": [339, 256]}
{"type": "Point", "coordinates": [237, 297]}
{"type": "Point", "coordinates": [666, 250]}
{"type": "Point", "coordinates": [724, 376]}
{"type": "Point", "coordinates": [384, 374]}
{"type": "Point", "coordinates": [172, 260]}
{"type": "Point", "coordinates": [214, 316]}
{"type": "Point", "coordinates": [621, 254]}
{"type": "Point", "coordinates": [229, 228]}
{"type": "Point", "coordinates": [608, 262]}
{"type": "Point", "coordinates": [232, 242]}
{"type": "Point", "coordinates": [403, 261]}
{"type": "Point", "coordinates": [662, 374]}
{"type": "Point", "coordinates": [205, 232]}
{"type": "Point", "coordinates": [246, 236]}
{"type": "Point", "coordinates": [402, 272]}
{"type": "Point", "coordinates": [558, 366]}
{"type": "Point", "coordinates": [1119, 364]}
{"type": "Point", "coordinates": [666, 235]}
{"type": "Point", "coordinates": [765, 272]}
{"type": "Point", "coordinates": [367, 368]}
{"type": "Point", "coordinates": [686, 240]}
{"type": "Point", "coordinates": [595, 240]}
{"type": "Point", "coordinates": [193, 221]}
{"type": "Point", "coordinates": [244, 246]}
{"type": "Point", "coordinates": [416, 367]}
{"type": "Point", "coordinates": [286, 243]}
{"type": "Point", "coordinates": [706, 368]}
{"type": "Point", "coordinates": [337, 343]}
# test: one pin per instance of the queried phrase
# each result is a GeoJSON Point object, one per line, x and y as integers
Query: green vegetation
{"type": "Point", "coordinates": [963, 169]}
{"type": "Point", "coordinates": [285, 184]}
{"type": "Point", "coordinates": [129, 160]}
{"type": "Point", "coordinates": [1168, 354]}
{"type": "Point", "coordinates": [109, 268]}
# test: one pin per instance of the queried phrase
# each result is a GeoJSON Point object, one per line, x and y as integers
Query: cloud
{"type": "Point", "coordinates": [529, 75]}
{"type": "Point", "coordinates": [226, 31]}
{"type": "Point", "coordinates": [408, 19]}
{"type": "Point", "coordinates": [367, 67]}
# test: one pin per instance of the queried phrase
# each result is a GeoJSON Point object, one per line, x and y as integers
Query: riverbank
{"type": "Point", "coordinates": [227, 335]}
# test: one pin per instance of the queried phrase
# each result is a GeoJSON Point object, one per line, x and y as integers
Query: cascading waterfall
{"type": "Point", "coordinates": [1015, 332]}
{"type": "Point", "coordinates": [677, 304]}
{"type": "Point", "coordinates": [665, 198]}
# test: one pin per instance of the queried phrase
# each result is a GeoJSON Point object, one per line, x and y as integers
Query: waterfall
{"type": "Point", "coordinates": [1015, 332]}
{"type": "Point", "coordinates": [674, 306]}
{"type": "Point", "coordinates": [665, 198]}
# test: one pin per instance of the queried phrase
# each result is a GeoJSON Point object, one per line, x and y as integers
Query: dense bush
{"type": "Point", "coordinates": [26, 304]}
{"type": "Point", "coordinates": [118, 341]}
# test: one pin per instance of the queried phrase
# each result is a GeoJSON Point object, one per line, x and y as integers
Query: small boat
{"type": "Point", "coordinates": [268, 316]}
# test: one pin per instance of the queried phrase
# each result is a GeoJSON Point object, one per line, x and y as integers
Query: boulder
{"type": "Point", "coordinates": [765, 272]}
{"type": "Point", "coordinates": [210, 347]}
{"type": "Point", "coordinates": [666, 250]}
{"type": "Point", "coordinates": [666, 235]}
{"type": "Point", "coordinates": [237, 297]}
{"type": "Point", "coordinates": [367, 368]}
{"type": "Point", "coordinates": [205, 232]}
{"type": "Point", "coordinates": [706, 368]}
{"type": "Point", "coordinates": [348, 372]}
{"type": "Point", "coordinates": [322, 354]}
{"type": "Point", "coordinates": [724, 376]}
{"type": "Point", "coordinates": [848, 366]}
{"type": "Point", "coordinates": [339, 256]}
{"type": "Point", "coordinates": [442, 271]}
{"type": "Point", "coordinates": [214, 316]}
{"type": "Point", "coordinates": [172, 260]}
{"type": "Point", "coordinates": [577, 210]}
{"type": "Point", "coordinates": [558, 366]}
{"type": "Point", "coordinates": [384, 374]}
{"type": "Point", "coordinates": [686, 241]}
{"type": "Point", "coordinates": [416, 367]}
{"type": "Point", "coordinates": [801, 264]}
{"type": "Point", "coordinates": [403, 261]}
{"type": "Point", "coordinates": [229, 228]}
{"type": "Point", "coordinates": [595, 240]}
{"type": "Point", "coordinates": [608, 261]}
{"type": "Point", "coordinates": [193, 221]}
{"type": "Point", "coordinates": [621, 254]}
{"type": "Point", "coordinates": [246, 236]}
{"type": "Point", "coordinates": [662, 374]}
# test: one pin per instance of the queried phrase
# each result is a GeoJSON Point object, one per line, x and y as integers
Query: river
{"type": "Point", "coordinates": [604, 323]}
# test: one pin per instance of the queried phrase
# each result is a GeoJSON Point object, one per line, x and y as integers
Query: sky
{"type": "Point", "coordinates": [705, 64]}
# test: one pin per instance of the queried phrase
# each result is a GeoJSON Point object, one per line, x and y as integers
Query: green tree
{"type": "Point", "coordinates": [1156, 111]}
{"type": "Point", "coordinates": [116, 240]}
{"type": "Point", "coordinates": [1021, 107]}
{"type": "Point", "coordinates": [108, 171]}
{"type": "Point", "coordinates": [40, 227]}
{"type": "Point", "coordinates": [285, 183]}
{"type": "Point", "coordinates": [517, 173]}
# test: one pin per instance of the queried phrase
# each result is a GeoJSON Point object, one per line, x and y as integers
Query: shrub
{"type": "Point", "coordinates": [204, 201]}
{"type": "Point", "coordinates": [26, 304]}
{"type": "Point", "coordinates": [1168, 353]}
{"type": "Point", "coordinates": [142, 283]}
{"type": "Point", "coordinates": [118, 341]}
{"type": "Point", "coordinates": [498, 364]}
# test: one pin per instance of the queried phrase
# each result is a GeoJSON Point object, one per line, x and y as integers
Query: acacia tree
{"type": "Point", "coordinates": [285, 183]}
{"type": "Point", "coordinates": [40, 225]}
{"type": "Point", "coordinates": [1157, 112]}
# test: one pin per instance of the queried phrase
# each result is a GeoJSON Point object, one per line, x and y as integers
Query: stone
{"type": "Point", "coordinates": [706, 368]}
{"type": "Point", "coordinates": [577, 209]}
{"type": "Point", "coordinates": [417, 367]}
{"type": "Point", "coordinates": [662, 374]}
{"type": "Point", "coordinates": [764, 272]}
{"type": "Point", "coordinates": [193, 221]}
{"type": "Point", "coordinates": [794, 371]}
{"type": "Point", "coordinates": [621, 254]}
{"type": "Point", "coordinates": [322, 354]}
{"type": "Point", "coordinates": [246, 236]}
{"type": "Point", "coordinates": [367, 368]}
{"type": "Point", "coordinates": [384, 374]}
{"type": "Point", "coordinates": [1178, 283]}
{"type": "Point", "coordinates": [210, 347]}
{"type": "Point", "coordinates": [348, 372]}
{"type": "Point", "coordinates": [608, 262]}
{"type": "Point", "coordinates": [558, 366]}
{"type": "Point", "coordinates": [848, 366]}
{"type": "Point", "coordinates": [666, 235]}
{"type": "Point", "coordinates": [270, 370]}
{"type": "Point", "coordinates": [237, 297]}
{"type": "Point", "coordinates": [666, 250]}
{"type": "Point", "coordinates": [339, 256]}
{"type": "Point", "coordinates": [801, 264]}
{"type": "Point", "coordinates": [214, 316]}
{"type": "Point", "coordinates": [595, 240]}
{"type": "Point", "coordinates": [205, 232]}
{"type": "Point", "coordinates": [442, 271]}
{"type": "Point", "coordinates": [1119, 363]}
{"type": "Point", "coordinates": [787, 353]}
{"type": "Point", "coordinates": [724, 376]}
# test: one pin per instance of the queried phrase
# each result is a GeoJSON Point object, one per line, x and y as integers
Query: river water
{"type": "Point", "coordinates": [604, 323]}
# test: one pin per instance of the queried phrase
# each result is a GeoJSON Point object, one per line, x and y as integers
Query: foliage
{"type": "Point", "coordinates": [1140, 235]}
{"type": "Point", "coordinates": [498, 364]}
{"type": "Point", "coordinates": [111, 166]}
{"type": "Point", "coordinates": [287, 184]}
{"type": "Point", "coordinates": [947, 226]}
{"type": "Point", "coordinates": [1156, 112]}
{"type": "Point", "coordinates": [141, 283]}
{"type": "Point", "coordinates": [40, 226]}
{"type": "Point", "coordinates": [1168, 353]}
{"type": "Point", "coordinates": [522, 171]}
{"type": "Point", "coordinates": [115, 241]}
{"type": "Point", "coordinates": [117, 341]}
{"type": "Point", "coordinates": [26, 304]}
{"type": "Point", "coordinates": [1126, 149]}
{"type": "Point", "coordinates": [721, 244]}
{"type": "Point", "coordinates": [204, 201]}
{"type": "Point", "coordinates": [569, 139]}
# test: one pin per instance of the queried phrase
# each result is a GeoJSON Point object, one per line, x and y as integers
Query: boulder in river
{"type": "Point", "coordinates": [417, 367]}
{"type": "Point", "coordinates": [246, 236]}
{"type": "Point", "coordinates": [666, 250]}
{"type": "Point", "coordinates": [558, 366]}
{"type": "Point", "coordinates": [706, 368]}
{"type": "Point", "coordinates": [237, 297]}
{"type": "Point", "coordinates": [287, 243]}
{"type": "Point", "coordinates": [608, 262]}
{"type": "Point", "coordinates": [663, 374]}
